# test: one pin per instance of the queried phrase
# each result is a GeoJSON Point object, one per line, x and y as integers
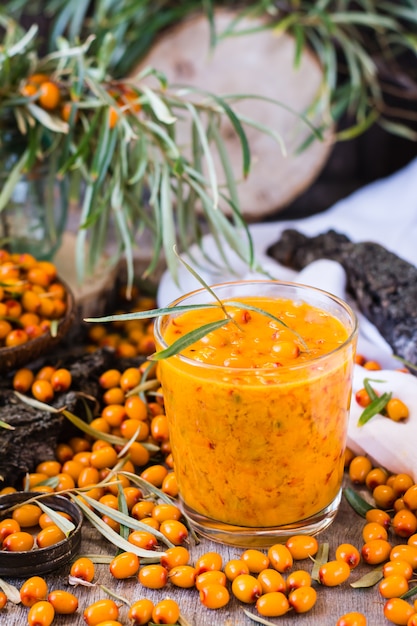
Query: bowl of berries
{"type": "Point", "coordinates": [37, 309]}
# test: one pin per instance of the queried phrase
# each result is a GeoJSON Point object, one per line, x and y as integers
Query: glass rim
{"type": "Point", "coordinates": [262, 369]}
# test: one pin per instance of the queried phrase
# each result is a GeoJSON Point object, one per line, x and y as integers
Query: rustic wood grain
{"type": "Point", "coordinates": [332, 602]}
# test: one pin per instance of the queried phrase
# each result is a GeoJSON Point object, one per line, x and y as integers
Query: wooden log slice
{"type": "Point", "coordinates": [260, 63]}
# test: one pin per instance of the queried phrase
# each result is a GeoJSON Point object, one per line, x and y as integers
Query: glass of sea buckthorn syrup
{"type": "Point", "coordinates": [258, 407]}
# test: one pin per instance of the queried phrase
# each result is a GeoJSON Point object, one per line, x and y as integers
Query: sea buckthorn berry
{"type": "Point", "coordinates": [23, 379]}
{"type": "Point", "coordinates": [88, 477]}
{"type": "Point", "coordinates": [18, 542]}
{"type": "Point", "coordinates": [83, 568]}
{"type": "Point", "coordinates": [373, 366]}
{"type": "Point", "coordinates": [49, 95]}
{"type": "Point", "coordinates": [373, 530]}
{"type": "Point", "coordinates": [362, 397]}
{"type": "Point", "coordinates": [396, 410]}
{"type": "Point", "coordinates": [412, 541]}
{"type": "Point", "coordinates": [162, 512]}
{"type": "Point", "coordinates": [377, 476]}
{"type": "Point", "coordinates": [114, 414]}
{"type": "Point", "coordinates": [99, 611]}
{"type": "Point", "coordinates": [50, 468]}
{"type": "Point", "coordinates": [384, 496]}
{"type": "Point", "coordinates": [110, 378]}
{"type": "Point", "coordinates": [211, 576]}
{"type": "Point", "coordinates": [153, 576]}
{"type": "Point", "coordinates": [16, 337]}
{"type": "Point", "coordinates": [49, 536]}
{"type": "Point", "coordinates": [130, 378]}
{"type": "Point", "coordinates": [159, 428]}
{"type": "Point", "coordinates": [175, 556]}
{"type": "Point", "coordinates": [398, 611]}
{"type": "Point", "coordinates": [104, 457]}
{"type": "Point", "coordinates": [410, 498]}
{"type": "Point", "coordinates": [140, 612]}
{"type": "Point", "coordinates": [42, 613]}
{"type": "Point", "coordinates": [412, 621]}
{"type": "Point", "coordinates": [130, 428]}
{"type": "Point", "coordinates": [302, 599]}
{"type": "Point", "coordinates": [27, 515]}
{"type": "Point", "coordinates": [399, 505]}
{"type": "Point", "coordinates": [296, 579]}
{"type": "Point", "coordinates": [208, 562]}
{"type": "Point", "coordinates": [183, 576]}
{"type": "Point", "coordinates": [234, 568]}
{"type": "Point", "coordinates": [271, 580]}
{"type": "Point", "coordinates": [255, 560]}
{"type": "Point", "coordinates": [142, 509]}
{"type": "Point", "coordinates": [376, 551]}
{"type": "Point", "coordinates": [3, 600]}
{"type": "Point", "coordinates": [393, 586]}
{"type": "Point", "coordinates": [398, 568]}
{"type": "Point", "coordinates": [280, 558]}
{"type": "Point", "coordinates": [214, 596]}
{"type": "Point", "coordinates": [114, 395]}
{"type": "Point", "coordinates": [42, 390]}
{"type": "Point", "coordinates": [379, 516]}
{"type": "Point", "coordinates": [170, 485]}
{"type": "Point", "coordinates": [334, 573]}
{"type": "Point", "coordinates": [405, 552]}
{"type": "Point", "coordinates": [404, 523]}
{"type": "Point", "coordinates": [359, 468]}
{"type": "Point", "coordinates": [246, 588]}
{"type": "Point", "coordinates": [33, 590]}
{"type": "Point", "coordinates": [61, 380]}
{"type": "Point", "coordinates": [174, 530]}
{"type": "Point", "coordinates": [272, 604]}
{"type": "Point", "coordinates": [139, 455]}
{"type": "Point", "coordinates": [45, 373]}
{"type": "Point", "coordinates": [136, 408]}
{"type": "Point", "coordinates": [7, 527]}
{"type": "Point", "coordinates": [302, 546]}
{"type": "Point", "coordinates": [124, 565]}
{"type": "Point", "coordinates": [143, 539]}
{"type": "Point", "coordinates": [155, 474]}
{"type": "Point", "coordinates": [166, 612]}
{"type": "Point", "coordinates": [401, 483]}
{"type": "Point", "coordinates": [354, 618]}
{"type": "Point", "coordinates": [348, 553]}
{"type": "Point", "coordinates": [348, 457]}
{"type": "Point", "coordinates": [64, 602]}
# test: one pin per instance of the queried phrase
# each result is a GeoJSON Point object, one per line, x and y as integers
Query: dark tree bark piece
{"type": "Point", "coordinates": [36, 432]}
{"type": "Point", "coordinates": [383, 285]}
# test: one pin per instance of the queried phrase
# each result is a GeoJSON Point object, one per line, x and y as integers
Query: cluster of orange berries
{"type": "Point", "coordinates": [31, 296]}
{"type": "Point", "coordinates": [44, 383]}
{"type": "Point", "coordinates": [128, 339]}
{"type": "Point", "coordinates": [394, 513]}
{"type": "Point", "coordinates": [44, 90]}
{"type": "Point", "coordinates": [29, 528]}
{"type": "Point", "coordinates": [395, 409]}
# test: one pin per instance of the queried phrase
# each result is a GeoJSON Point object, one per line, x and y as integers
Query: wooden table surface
{"type": "Point", "coordinates": [331, 603]}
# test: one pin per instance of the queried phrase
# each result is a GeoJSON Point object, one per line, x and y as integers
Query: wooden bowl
{"type": "Point", "coordinates": [19, 356]}
{"type": "Point", "coordinates": [41, 560]}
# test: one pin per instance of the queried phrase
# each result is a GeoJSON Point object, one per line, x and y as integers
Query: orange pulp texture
{"type": "Point", "coordinates": [257, 421]}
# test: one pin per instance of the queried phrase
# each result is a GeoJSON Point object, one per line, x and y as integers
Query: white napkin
{"type": "Point", "coordinates": [385, 212]}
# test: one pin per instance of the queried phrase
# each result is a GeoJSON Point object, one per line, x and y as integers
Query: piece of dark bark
{"type": "Point", "coordinates": [37, 432]}
{"type": "Point", "coordinates": [383, 285]}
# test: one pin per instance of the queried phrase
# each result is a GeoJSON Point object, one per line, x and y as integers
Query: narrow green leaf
{"type": "Point", "coordinates": [125, 519]}
{"type": "Point", "coordinates": [410, 593]}
{"type": "Point", "coordinates": [188, 339]}
{"type": "Point", "coordinates": [374, 408]}
{"type": "Point", "coordinates": [143, 315]}
{"type": "Point", "coordinates": [369, 389]}
{"type": "Point", "coordinates": [63, 523]}
{"type": "Point", "coordinates": [161, 111]}
{"type": "Point", "coordinates": [110, 534]}
{"type": "Point", "coordinates": [356, 501]}
{"type": "Point", "coordinates": [320, 559]}
{"type": "Point", "coordinates": [369, 579]}
{"type": "Point", "coordinates": [6, 426]}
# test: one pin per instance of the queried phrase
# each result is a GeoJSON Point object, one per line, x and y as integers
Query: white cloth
{"type": "Point", "coordinates": [385, 212]}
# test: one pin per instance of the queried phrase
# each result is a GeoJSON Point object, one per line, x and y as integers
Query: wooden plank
{"type": "Point", "coordinates": [331, 603]}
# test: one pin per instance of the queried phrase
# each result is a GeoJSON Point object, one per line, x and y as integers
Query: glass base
{"type": "Point", "coordinates": [244, 537]}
